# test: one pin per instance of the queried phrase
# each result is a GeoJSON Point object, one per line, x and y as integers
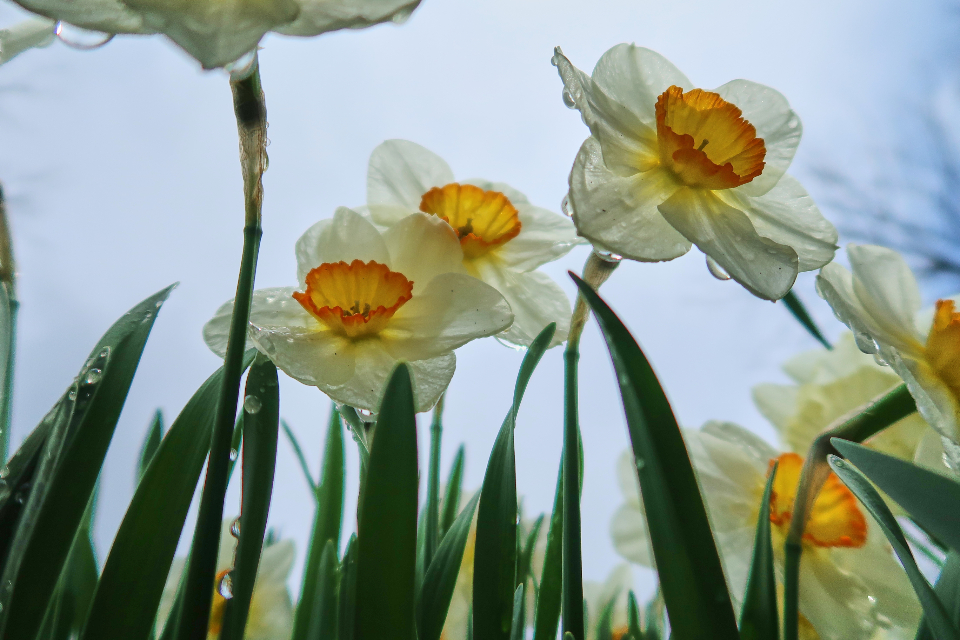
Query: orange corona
{"type": "Point", "coordinates": [943, 345]}
{"type": "Point", "coordinates": [482, 219]}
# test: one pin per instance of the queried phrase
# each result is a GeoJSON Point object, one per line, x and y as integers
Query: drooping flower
{"type": "Point", "coordinates": [504, 238]}
{"type": "Point", "coordinates": [668, 165]}
{"type": "Point", "coordinates": [851, 585]}
{"type": "Point", "coordinates": [366, 301]}
{"type": "Point", "coordinates": [829, 385]}
{"type": "Point", "coordinates": [880, 302]}
{"type": "Point", "coordinates": [271, 610]}
{"type": "Point", "coordinates": [218, 32]}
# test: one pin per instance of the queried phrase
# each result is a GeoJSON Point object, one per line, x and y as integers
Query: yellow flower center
{"type": "Point", "coordinates": [356, 299]}
{"type": "Point", "coordinates": [218, 607]}
{"type": "Point", "coordinates": [943, 345]}
{"type": "Point", "coordinates": [705, 140]}
{"type": "Point", "coordinates": [619, 632]}
{"type": "Point", "coordinates": [835, 519]}
{"type": "Point", "coordinates": [482, 219]}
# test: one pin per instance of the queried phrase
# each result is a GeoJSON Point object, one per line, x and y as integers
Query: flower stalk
{"type": "Point", "coordinates": [8, 280]}
{"type": "Point", "coordinates": [251, 117]}
{"type": "Point", "coordinates": [433, 485]}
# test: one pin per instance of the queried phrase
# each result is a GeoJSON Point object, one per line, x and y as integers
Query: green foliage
{"type": "Point", "coordinates": [547, 615]}
{"type": "Point", "coordinates": [451, 499]}
{"type": "Point", "coordinates": [948, 591]}
{"type": "Point", "coordinates": [759, 619]}
{"type": "Point", "coordinates": [150, 443]}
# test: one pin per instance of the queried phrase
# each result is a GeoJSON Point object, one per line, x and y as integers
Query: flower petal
{"type": "Point", "coordinates": [515, 197]}
{"type": "Point", "coordinates": [544, 237]}
{"type": "Point", "coordinates": [619, 214]}
{"type": "Point", "coordinates": [935, 401]}
{"type": "Point", "coordinates": [777, 403]}
{"type": "Point", "coordinates": [108, 16]}
{"type": "Point", "coordinates": [399, 173]}
{"type": "Point", "coordinates": [276, 562]}
{"type": "Point", "coordinates": [767, 110]}
{"type": "Point", "coordinates": [421, 247]}
{"type": "Point", "coordinates": [319, 358]}
{"type": "Point", "coordinates": [29, 34]}
{"type": "Point", "coordinates": [348, 236]}
{"type": "Point", "coordinates": [536, 301]}
{"type": "Point", "coordinates": [787, 215]}
{"type": "Point", "coordinates": [628, 529]}
{"type": "Point", "coordinates": [766, 268]}
{"type": "Point", "coordinates": [323, 16]}
{"type": "Point", "coordinates": [886, 288]}
{"type": "Point", "coordinates": [270, 307]}
{"type": "Point", "coordinates": [835, 602]}
{"type": "Point", "coordinates": [450, 311]}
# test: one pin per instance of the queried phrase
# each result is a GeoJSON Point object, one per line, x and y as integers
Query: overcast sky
{"type": "Point", "coordinates": [121, 169]}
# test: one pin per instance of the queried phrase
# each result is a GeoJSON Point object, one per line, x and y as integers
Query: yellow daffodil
{"type": "Point", "coordinates": [851, 585]}
{"type": "Point", "coordinates": [504, 238]}
{"type": "Point", "coordinates": [880, 302]}
{"type": "Point", "coordinates": [217, 32]}
{"type": "Point", "coordinates": [668, 165]}
{"type": "Point", "coordinates": [599, 595]}
{"type": "Point", "coordinates": [271, 610]}
{"type": "Point", "coordinates": [366, 301]}
{"type": "Point", "coordinates": [829, 385]}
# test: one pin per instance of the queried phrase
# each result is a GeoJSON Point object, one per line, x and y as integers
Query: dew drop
{"type": "Point", "coordinates": [73, 394]}
{"type": "Point", "coordinates": [93, 376]}
{"type": "Point", "coordinates": [235, 528]}
{"type": "Point", "coordinates": [840, 464]}
{"type": "Point", "coordinates": [568, 100]}
{"type": "Point", "coordinates": [225, 588]}
{"type": "Point", "coordinates": [608, 256]}
{"type": "Point", "coordinates": [4, 472]}
{"type": "Point", "coordinates": [401, 16]}
{"type": "Point", "coordinates": [82, 39]}
{"type": "Point", "coordinates": [104, 352]}
{"type": "Point", "coordinates": [233, 454]}
{"type": "Point", "coordinates": [251, 404]}
{"type": "Point", "coordinates": [566, 207]}
{"type": "Point", "coordinates": [509, 345]}
{"type": "Point", "coordinates": [640, 463]}
{"type": "Point", "coordinates": [716, 270]}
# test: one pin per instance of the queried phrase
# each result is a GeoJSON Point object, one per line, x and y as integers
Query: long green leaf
{"type": "Point", "coordinates": [525, 563]}
{"type": "Point", "coordinates": [298, 451]}
{"type": "Point", "coordinates": [151, 442]}
{"type": "Point", "coordinates": [633, 616]}
{"type": "Point", "coordinates": [440, 580]}
{"type": "Point", "coordinates": [68, 470]}
{"type": "Point", "coordinates": [798, 311]}
{"type": "Point", "coordinates": [518, 619]}
{"type": "Point", "coordinates": [16, 478]}
{"type": "Point", "coordinates": [323, 617]}
{"type": "Point", "coordinates": [136, 569]}
{"type": "Point", "coordinates": [934, 612]}
{"type": "Point", "coordinates": [547, 615]}
{"type": "Point", "coordinates": [573, 618]}
{"type": "Point", "coordinates": [759, 619]}
{"type": "Point", "coordinates": [261, 429]}
{"type": "Point", "coordinates": [387, 538]}
{"type": "Point", "coordinates": [691, 576]}
{"type": "Point", "coordinates": [933, 500]}
{"type": "Point", "coordinates": [451, 498]}
{"type": "Point", "coordinates": [348, 591]}
{"type": "Point", "coordinates": [948, 590]}
{"type": "Point", "coordinates": [495, 559]}
{"type": "Point", "coordinates": [326, 524]}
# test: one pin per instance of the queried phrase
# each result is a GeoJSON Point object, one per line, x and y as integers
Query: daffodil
{"type": "Point", "coordinates": [217, 32]}
{"type": "Point", "coordinates": [504, 238]}
{"type": "Point", "coordinates": [880, 302]}
{"type": "Point", "coordinates": [271, 610]}
{"type": "Point", "coordinates": [668, 164]}
{"type": "Point", "coordinates": [851, 585]}
{"type": "Point", "coordinates": [612, 592]}
{"type": "Point", "coordinates": [829, 384]}
{"type": "Point", "coordinates": [366, 301]}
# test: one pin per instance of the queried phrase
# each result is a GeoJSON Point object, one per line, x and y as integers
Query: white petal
{"type": "Point", "coordinates": [346, 237]}
{"type": "Point", "coordinates": [512, 194]}
{"type": "Point", "coordinates": [272, 307]}
{"type": "Point", "coordinates": [935, 401]}
{"type": "Point", "coordinates": [835, 602]}
{"type": "Point", "coordinates": [631, 539]}
{"type": "Point", "coordinates": [29, 34]}
{"type": "Point", "coordinates": [787, 215]}
{"type": "Point", "coordinates": [544, 237]}
{"type": "Point", "coordinates": [778, 125]}
{"type": "Point", "coordinates": [108, 16]}
{"type": "Point", "coordinates": [322, 16]}
{"type": "Point", "coordinates": [276, 561]}
{"type": "Point", "coordinates": [930, 453]}
{"type": "Point", "coordinates": [319, 358]}
{"type": "Point", "coordinates": [627, 478]}
{"type": "Point", "coordinates": [766, 268]}
{"type": "Point", "coordinates": [635, 77]}
{"type": "Point", "coordinates": [421, 247]}
{"type": "Point", "coordinates": [400, 172]}
{"type": "Point", "coordinates": [536, 301]}
{"type": "Point", "coordinates": [886, 288]}
{"type": "Point", "coordinates": [450, 311]}
{"type": "Point", "coordinates": [619, 214]}
{"type": "Point", "coordinates": [777, 403]}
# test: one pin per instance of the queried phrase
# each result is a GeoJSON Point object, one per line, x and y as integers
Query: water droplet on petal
{"type": "Point", "coordinates": [235, 528]}
{"type": "Point", "coordinates": [566, 207]}
{"type": "Point", "coordinates": [233, 454]}
{"type": "Point", "coordinates": [93, 376]}
{"type": "Point", "coordinates": [716, 270]}
{"type": "Point", "coordinates": [568, 100]}
{"type": "Point", "coordinates": [401, 16]}
{"type": "Point", "coordinates": [251, 404]}
{"type": "Point", "coordinates": [82, 39]}
{"type": "Point", "coordinates": [225, 588]}
{"type": "Point", "coordinates": [608, 256]}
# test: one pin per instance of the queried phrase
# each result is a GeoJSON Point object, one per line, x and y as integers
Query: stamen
{"type": "Point", "coordinates": [702, 145]}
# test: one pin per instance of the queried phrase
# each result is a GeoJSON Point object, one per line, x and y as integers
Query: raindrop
{"type": "Point", "coordinates": [158, 304]}
{"type": "Point", "coordinates": [251, 404]}
{"type": "Point", "coordinates": [73, 394]}
{"type": "Point", "coordinates": [401, 16]}
{"type": "Point", "coordinates": [241, 67]}
{"type": "Point", "coordinates": [233, 455]}
{"type": "Point", "coordinates": [82, 39]}
{"type": "Point", "coordinates": [93, 376]}
{"type": "Point", "coordinates": [4, 472]}
{"type": "Point", "coordinates": [640, 463]}
{"type": "Point", "coordinates": [716, 270]}
{"type": "Point", "coordinates": [607, 256]}
{"type": "Point", "coordinates": [367, 416]}
{"type": "Point", "coordinates": [225, 588]}
{"type": "Point", "coordinates": [566, 207]}
{"type": "Point", "coordinates": [837, 462]}
{"type": "Point", "coordinates": [104, 352]}
{"type": "Point", "coordinates": [568, 100]}
{"type": "Point", "coordinates": [509, 345]}
{"type": "Point", "coordinates": [235, 528]}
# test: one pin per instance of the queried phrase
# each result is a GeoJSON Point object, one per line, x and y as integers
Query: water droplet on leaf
{"type": "Point", "coordinates": [225, 588]}
{"type": "Point", "coordinates": [235, 528]}
{"type": "Point", "coordinates": [251, 404]}
{"type": "Point", "coordinates": [233, 454]}
{"type": "Point", "coordinates": [93, 376]}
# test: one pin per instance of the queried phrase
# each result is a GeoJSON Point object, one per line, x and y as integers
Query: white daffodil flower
{"type": "Point", "coordinates": [851, 584]}
{"type": "Point", "coordinates": [829, 385]}
{"type": "Point", "coordinates": [880, 302]}
{"type": "Point", "coordinates": [271, 610]}
{"type": "Point", "coordinates": [599, 595]}
{"type": "Point", "coordinates": [367, 301]}
{"type": "Point", "coordinates": [29, 34]}
{"type": "Point", "coordinates": [504, 238]}
{"type": "Point", "coordinates": [218, 32]}
{"type": "Point", "coordinates": [668, 165]}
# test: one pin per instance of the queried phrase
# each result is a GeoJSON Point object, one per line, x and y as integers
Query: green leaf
{"type": "Point", "coordinates": [348, 591]}
{"type": "Point", "coordinates": [298, 451]}
{"type": "Point", "coordinates": [604, 629]}
{"type": "Point", "coordinates": [326, 524]}
{"type": "Point", "coordinates": [440, 580]}
{"type": "Point", "coordinates": [633, 616]}
{"type": "Point", "coordinates": [151, 442]}
{"type": "Point", "coordinates": [547, 616]}
{"type": "Point", "coordinates": [573, 618]}
{"type": "Point", "coordinates": [518, 620]}
{"type": "Point", "coordinates": [948, 591]}
{"type": "Point", "coordinates": [934, 612]}
{"type": "Point", "coordinates": [9, 305]}
{"type": "Point", "coordinates": [759, 619]}
{"type": "Point", "coordinates": [68, 470]}
{"type": "Point", "coordinates": [798, 311]}
{"type": "Point", "coordinates": [261, 429]}
{"type": "Point", "coordinates": [324, 607]}
{"type": "Point", "coordinates": [17, 475]}
{"type": "Point", "coordinates": [691, 576]}
{"type": "Point", "coordinates": [451, 499]}
{"type": "Point", "coordinates": [495, 555]}
{"type": "Point", "coordinates": [933, 500]}
{"type": "Point", "coordinates": [136, 569]}
{"type": "Point", "coordinates": [525, 564]}
{"type": "Point", "coordinates": [387, 539]}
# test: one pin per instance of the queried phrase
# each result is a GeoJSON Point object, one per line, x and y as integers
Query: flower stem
{"type": "Point", "coordinates": [856, 426]}
{"type": "Point", "coordinates": [8, 280]}
{"type": "Point", "coordinates": [595, 273]}
{"type": "Point", "coordinates": [251, 116]}
{"type": "Point", "coordinates": [433, 487]}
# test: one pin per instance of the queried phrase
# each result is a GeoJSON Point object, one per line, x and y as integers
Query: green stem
{"type": "Point", "coordinates": [858, 425]}
{"type": "Point", "coordinates": [252, 128]}
{"type": "Point", "coordinates": [433, 487]}
{"type": "Point", "coordinates": [8, 279]}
